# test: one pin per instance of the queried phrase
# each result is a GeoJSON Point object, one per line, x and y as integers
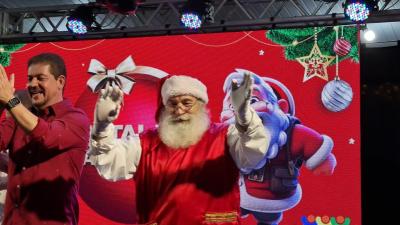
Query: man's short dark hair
{"type": "Point", "coordinates": [56, 63]}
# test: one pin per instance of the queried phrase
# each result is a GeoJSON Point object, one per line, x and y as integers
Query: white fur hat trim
{"type": "Point", "coordinates": [183, 85]}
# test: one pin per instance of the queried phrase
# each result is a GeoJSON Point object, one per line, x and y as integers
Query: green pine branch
{"type": "Point", "coordinates": [326, 39]}
{"type": "Point", "coordinates": [6, 51]}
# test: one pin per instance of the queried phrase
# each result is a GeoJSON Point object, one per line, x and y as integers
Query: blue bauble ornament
{"type": "Point", "coordinates": [336, 95]}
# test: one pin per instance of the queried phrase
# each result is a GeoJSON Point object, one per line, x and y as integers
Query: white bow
{"type": "Point", "coordinates": [118, 76]}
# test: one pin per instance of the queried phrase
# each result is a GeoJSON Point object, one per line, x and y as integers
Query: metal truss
{"type": "Point", "coordinates": [161, 17]}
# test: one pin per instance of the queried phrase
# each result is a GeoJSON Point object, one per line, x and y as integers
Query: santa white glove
{"type": "Point", "coordinates": [107, 109]}
{"type": "Point", "coordinates": [240, 99]}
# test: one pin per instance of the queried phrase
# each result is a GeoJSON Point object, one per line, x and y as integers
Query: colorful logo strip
{"type": "Point", "coordinates": [325, 220]}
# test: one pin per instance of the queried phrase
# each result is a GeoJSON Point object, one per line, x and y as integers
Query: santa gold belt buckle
{"type": "Point", "coordinates": [256, 175]}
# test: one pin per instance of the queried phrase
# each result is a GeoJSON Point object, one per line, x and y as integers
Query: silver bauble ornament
{"type": "Point", "coordinates": [336, 95]}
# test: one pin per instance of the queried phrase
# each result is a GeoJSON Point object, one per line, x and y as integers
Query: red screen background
{"type": "Point", "coordinates": [210, 58]}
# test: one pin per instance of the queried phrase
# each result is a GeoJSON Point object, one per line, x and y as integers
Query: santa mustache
{"type": "Point", "coordinates": [180, 118]}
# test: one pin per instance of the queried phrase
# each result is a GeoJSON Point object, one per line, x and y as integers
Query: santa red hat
{"type": "Point", "coordinates": [174, 85]}
{"type": "Point", "coordinates": [183, 85]}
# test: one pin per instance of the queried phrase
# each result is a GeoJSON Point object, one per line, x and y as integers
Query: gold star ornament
{"type": "Point", "coordinates": [315, 64]}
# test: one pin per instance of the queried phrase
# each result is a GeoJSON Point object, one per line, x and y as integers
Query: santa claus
{"type": "Point", "coordinates": [186, 170]}
{"type": "Point", "coordinates": [273, 187]}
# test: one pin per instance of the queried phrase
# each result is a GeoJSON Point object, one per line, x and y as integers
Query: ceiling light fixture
{"type": "Point", "coordinates": [195, 12]}
{"type": "Point", "coordinates": [126, 7]}
{"type": "Point", "coordinates": [81, 19]}
{"type": "Point", "coordinates": [369, 35]}
{"type": "Point", "coordinates": [359, 10]}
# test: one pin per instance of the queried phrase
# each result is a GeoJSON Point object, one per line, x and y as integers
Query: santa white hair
{"type": "Point", "coordinates": [183, 85]}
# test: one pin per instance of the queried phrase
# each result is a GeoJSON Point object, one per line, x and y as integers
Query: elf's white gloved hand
{"type": "Point", "coordinates": [107, 109]}
{"type": "Point", "coordinates": [240, 99]}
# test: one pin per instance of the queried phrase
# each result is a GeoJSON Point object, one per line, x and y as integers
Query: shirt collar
{"type": "Point", "coordinates": [57, 109]}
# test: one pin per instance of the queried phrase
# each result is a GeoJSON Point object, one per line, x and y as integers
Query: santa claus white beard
{"type": "Point", "coordinates": [185, 130]}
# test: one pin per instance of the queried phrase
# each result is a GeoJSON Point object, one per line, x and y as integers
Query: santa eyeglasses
{"type": "Point", "coordinates": [185, 104]}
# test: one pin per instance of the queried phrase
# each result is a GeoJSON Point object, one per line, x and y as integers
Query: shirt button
{"type": "Point", "coordinates": [16, 205]}
{"type": "Point", "coordinates": [18, 186]}
{"type": "Point", "coordinates": [23, 168]}
{"type": "Point", "coordinates": [29, 152]}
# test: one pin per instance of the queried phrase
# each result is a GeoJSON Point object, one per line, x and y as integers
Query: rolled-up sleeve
{"type": "Point", "coordinates": [69, 131]}
{"type": "Point", "coordinates": [249, 147]}
{"type": "Point", "coordinates": [115, 159]}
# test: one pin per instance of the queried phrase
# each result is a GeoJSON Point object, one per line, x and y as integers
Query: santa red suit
{"type": "Point", "coordinates": [187, 186]}
{"type": "Point", "coordinates": [275, 187]}
{"type": "Point", "coordinates": [192, 185]}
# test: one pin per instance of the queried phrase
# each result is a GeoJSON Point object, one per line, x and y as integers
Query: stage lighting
{"type": "Point", "coordinates": [369, 35]}
{"type": "Point", "coordinates": [191, 20]}
{"type": "Point", "coordinates": [358, 10]}
{"type": "Point", "coordinates": [126, 7]}
{"type": "Point", "coordinates": [195, 12]}
{"type": "Point", "coordinates": [80, 20]}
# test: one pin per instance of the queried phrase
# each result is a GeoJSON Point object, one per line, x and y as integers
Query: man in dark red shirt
{"type": "Point", "coordinates": [47, 145]}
